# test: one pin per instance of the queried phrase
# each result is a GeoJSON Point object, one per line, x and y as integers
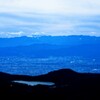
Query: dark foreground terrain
{"type": "Point", "coordinates": [69, 85]}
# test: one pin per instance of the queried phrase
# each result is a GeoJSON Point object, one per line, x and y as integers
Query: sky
{"type": "Point", "coordinates": [49, 17]}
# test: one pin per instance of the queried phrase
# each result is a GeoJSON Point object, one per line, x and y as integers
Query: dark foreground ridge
{"type": "Point", "coordinates": [69, 85]}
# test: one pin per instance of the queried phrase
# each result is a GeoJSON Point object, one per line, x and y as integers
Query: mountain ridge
{"type": "Point", "coordinates": [46, 46]}
{"type": "Point", "coordinates": [57, 40]}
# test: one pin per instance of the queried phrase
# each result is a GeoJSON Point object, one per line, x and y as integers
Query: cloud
{"type": "Point", "coordinates": [39, 6]}
{"type": "Point", "coordinates": [51, 6]}
{"type": "Point", "coordinates": [49, 24]}
{"type": "Point", "coordinates": [50, 17]}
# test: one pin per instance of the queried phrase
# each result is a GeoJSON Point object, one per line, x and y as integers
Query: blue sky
{"type": "Point", "coordinates": [49, 17]}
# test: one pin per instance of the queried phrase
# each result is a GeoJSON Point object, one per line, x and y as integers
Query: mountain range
{"type": "Point", "coordinates": [46, 46]}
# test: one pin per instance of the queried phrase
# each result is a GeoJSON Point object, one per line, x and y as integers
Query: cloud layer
{"type": "Point", "coordinates": [51, 6]}
{"type": "Point", "coordinates": [49, 17]}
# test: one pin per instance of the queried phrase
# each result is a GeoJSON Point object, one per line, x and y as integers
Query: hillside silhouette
{"type": "Point", "coordinates": [69, 85]}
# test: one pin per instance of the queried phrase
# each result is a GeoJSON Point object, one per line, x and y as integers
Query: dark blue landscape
{"type": "Point", "coordinates": [41, 54]}
{"type": "Point", "coordinates": [67, 67]}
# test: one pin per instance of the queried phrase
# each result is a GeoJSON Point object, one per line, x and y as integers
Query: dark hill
{"type": "Point", "coordinates": [69, 85]}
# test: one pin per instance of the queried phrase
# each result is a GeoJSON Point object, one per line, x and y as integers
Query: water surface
{"type": "Point", "coordinates": [33, 83]}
